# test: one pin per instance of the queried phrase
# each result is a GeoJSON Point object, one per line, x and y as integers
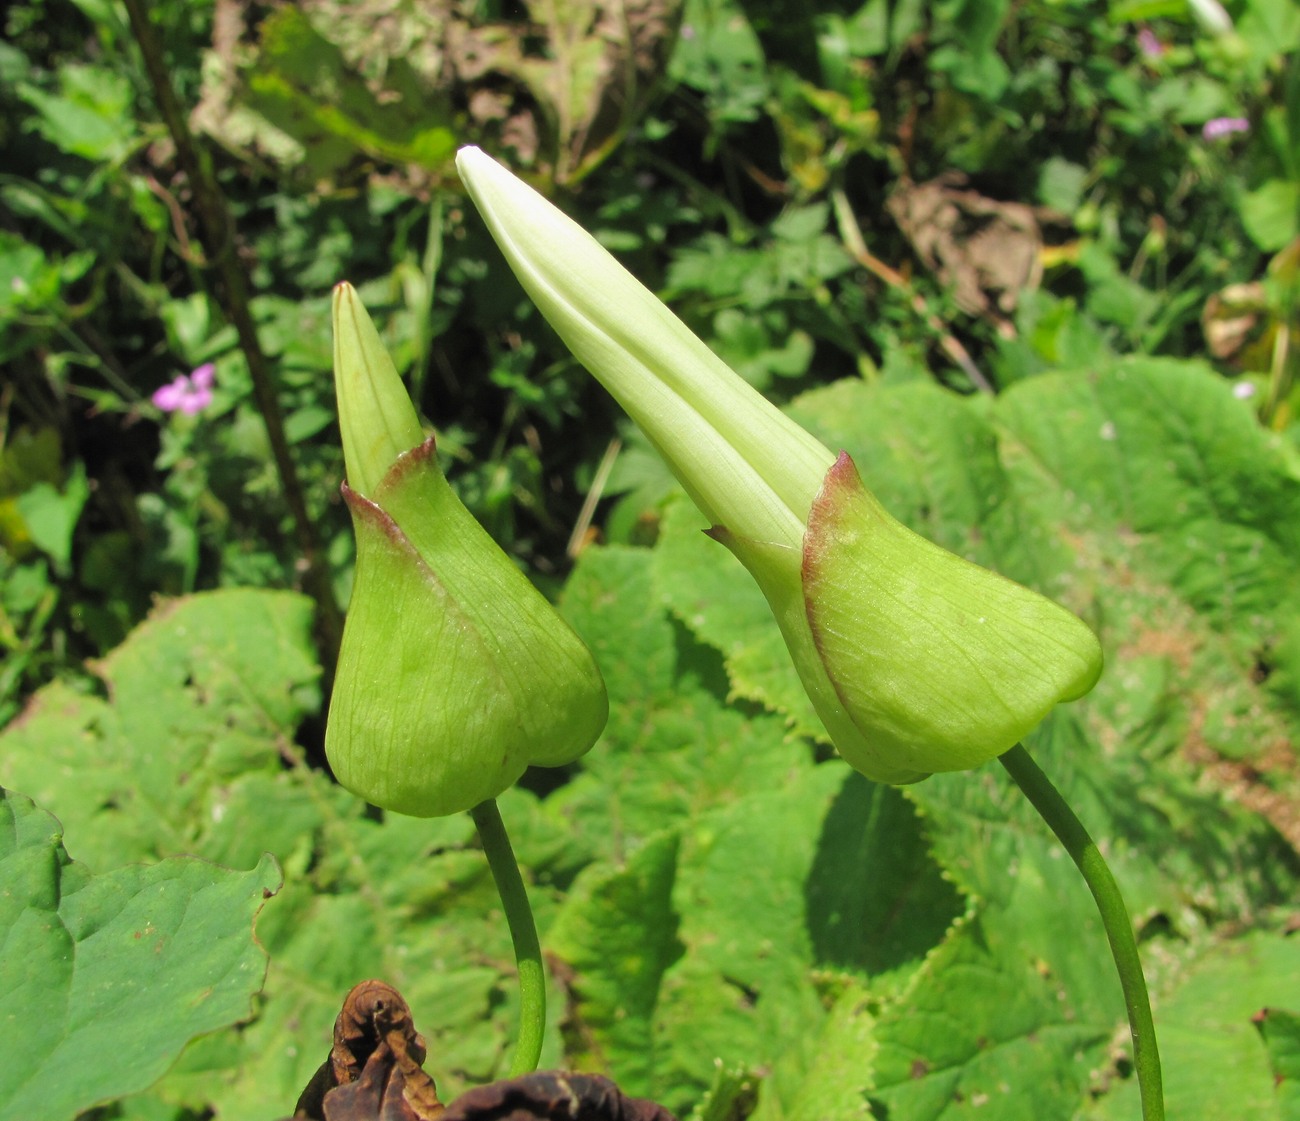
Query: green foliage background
{"type": "Point", "coordinates": [736, 924]}
{"type": "Point", "coordinates": [711, 887]}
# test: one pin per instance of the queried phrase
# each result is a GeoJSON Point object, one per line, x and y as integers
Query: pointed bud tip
{"type": "Point", "coordinates": [376, 419]}
{"type": "Point", "coordinates": [474, 165]}
{"type": "Point", "coordinates": [470, 155]}
{"type": "Point", "coordinates": [344, 299]}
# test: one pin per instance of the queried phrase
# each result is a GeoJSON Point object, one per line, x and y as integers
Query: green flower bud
{"type": "Point", "coordinates": [455, 674]}
{"type": "Point", "coordinates": [916, 660]}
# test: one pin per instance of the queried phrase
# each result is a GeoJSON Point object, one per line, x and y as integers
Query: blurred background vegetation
{"type": "Point", "coordinates": [964, 191]}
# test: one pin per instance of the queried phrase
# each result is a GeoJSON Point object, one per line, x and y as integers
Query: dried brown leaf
{"type": "Point", "coordinates": [554, 90]}
{"type": "Point", "coordinates": [989, 251]}
{"type": "Point", "coordinates": [553, 1095]}
{"type": "Point", "coordinates": [374, 1073]}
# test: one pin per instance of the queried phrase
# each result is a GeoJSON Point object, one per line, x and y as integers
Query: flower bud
{"type": "Point", "coordinates": [455, 674]}
{"type": "Point", "coordinates": [916, 660]}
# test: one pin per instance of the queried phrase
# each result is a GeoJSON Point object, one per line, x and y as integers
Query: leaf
{"type": "Point", "coordinates": [720, 56]}
{"type": "Point", "coordinates": [90, 116]}
{"type": "Point", "coordinates": [1142, 498]}
{"type": "Point", "coordinates": [617, 933]}
{"type": "Point", "coordinates": [827, 1073]}
{"type": "Point", "coordinates": [983, 1035]}
{"type": "Point", "coordinates": [1152, 448]}
{"type": "Point", "coordinates": [193, 751]}
{"type": "Point", "coordinates": [1271, 213]}
{"type": "Point", "coordinates": [784, 871]}
{"type": "Point", "coordinates": [876, 900]}
{"type": "Point", "coordinates": [1217, 1067]}
{"type": "Point", "coordinates": [323, 91]}
{"type": "Point", "coordinates": [51, 516]}
{"type": "Point", "coordinates": [741, 989]}
{"type": "Point", "coordinates": [105, 978]}
{"type": "Point", "coordinates": [1280, 1031]}
{"type": "Point", "coordinates": [203, 696]}
{"type": "Point", "coordinates": [673, 747]}
{"type": "Point", "coordinates": [407, 900]}
{"type": "Point", "coordinates": [1011, 1014]}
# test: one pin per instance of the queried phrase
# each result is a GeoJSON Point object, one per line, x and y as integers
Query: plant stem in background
{"type": "Point", "coordinates": [856, 244]}
{"type": "Point", "coordinates": [523, 932]}
{"type": "Point", "coordinates": [1047, 800]}
{"type": "Point", "coordinates": [218, 236]}
{"type": "Point", "coordinates": [420, 298]}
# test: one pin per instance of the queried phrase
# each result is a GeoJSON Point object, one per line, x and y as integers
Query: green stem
{"type": "Point", "coordinates": [217, 233]}
{"type": "Point", "coordinates": [1047, 800]}
{"type": "Point", "coordinates": [523, 932]}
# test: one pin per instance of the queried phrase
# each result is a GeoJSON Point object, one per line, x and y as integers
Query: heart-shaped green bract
{"type": "Point", "coordinates": [940, 664]}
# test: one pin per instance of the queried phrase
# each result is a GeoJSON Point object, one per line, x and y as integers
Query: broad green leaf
{"type": "Point", "coordinates": [1155, 448]}
{"type": "Point", "coordinates": [673, 746]}
{"type": "Point", "coordinates": [192, 751]}
{"type": "Point", "coordinates": [51, 515]}
{"type": "Point", "coordinates": [741, 989]}
{"type": "Point", "coordinates": [1147, 500]}
{"type": "Point", "coordinates": [1217, 1066]}
{"type": "Point", "coordinates": [90, 116]}
{"type": "Point", "coordinates": [984, 1034]}
{"type": "Point", "coordinates": [617, 932]}
{"type": "Point", "coordinates": [720, 56]}
{"type": "Point", "coordinates": [203, 696]}
{"type": "Point", "coordinates": [304, 423]}
{"type": "Point", "coordinates": [1280, 1031]}
{"type": "Point", "coordinates": [306, 88]}
{"type": "Point", "coordinates": [876, 900]}
{"type": "Point", "coordinates": [1012, 1014]}
{"type": "Point", "coordinates": [105, 978]}
{"type": "Point", "coordinates": [407, 900]}
{"type": "Point", "coordinates": [789, 918]}
{"type": "Point", "coordinates": [1271, 213]}
{"type": "Point", "coordinates": [827, 1073]}
{"type": "Point", "coordinates": [27, 279]}
{"type": "Point", "coordinates": [785, 871]}
{"type": "Point", "coordinates": [1061, 184]}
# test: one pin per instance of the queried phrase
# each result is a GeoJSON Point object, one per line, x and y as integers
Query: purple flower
{"type": "Point", "coordinates": [1149, 45]}
{"type": "Point", "coordinates": [1216, 127]}
{"type": "Point", "coordinates": [188, 394]}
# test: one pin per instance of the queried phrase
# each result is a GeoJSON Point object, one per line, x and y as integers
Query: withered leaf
{"type": "Point", "coordinates": [332, 91]}
{"type": "Point", "coordinates": [554, 1095]}
{"type": "Point", "coordinates": [988, 251]}
{"type": "Point", "coordinates": [374, 1073]}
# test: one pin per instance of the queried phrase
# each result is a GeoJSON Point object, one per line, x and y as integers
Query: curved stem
{"type": "Point", "coordinates": [523, 932]}
{"type": "Point", "coordinates": [1054, 809]}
